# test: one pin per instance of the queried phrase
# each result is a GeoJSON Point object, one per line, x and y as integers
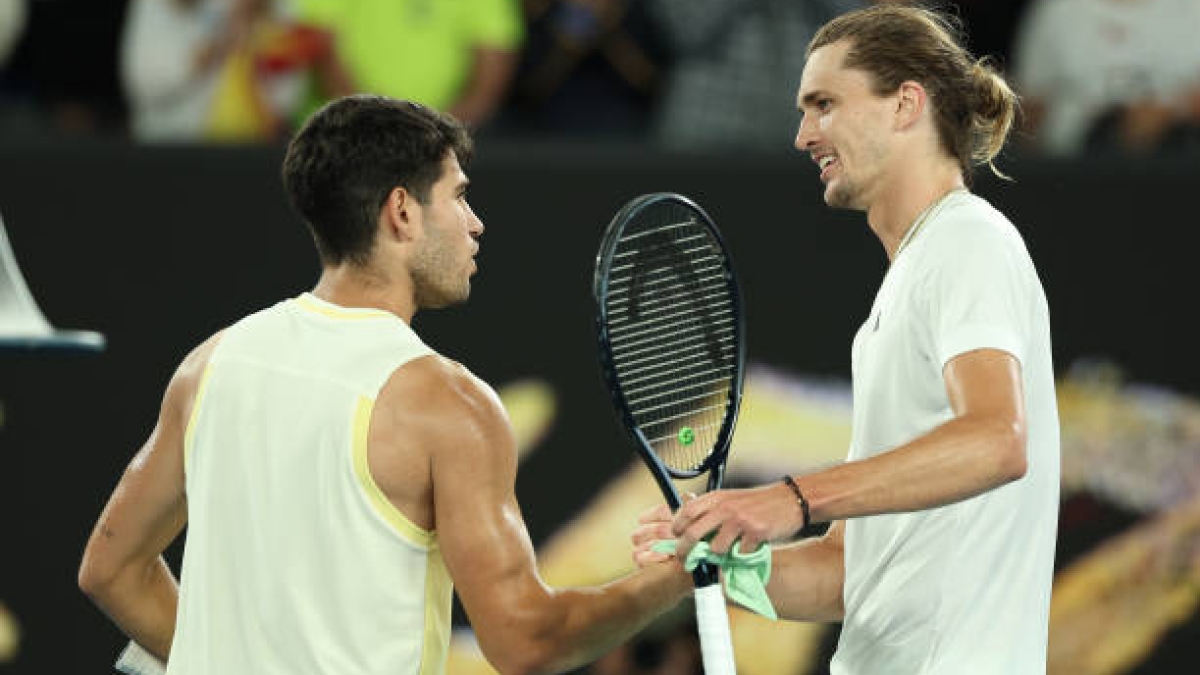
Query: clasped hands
{"type": "Point", "coordinates": [749, 516]}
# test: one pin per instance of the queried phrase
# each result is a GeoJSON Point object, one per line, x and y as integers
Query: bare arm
{"type": "Point", "coordinates": [807, 578]}
{"type": "Point", "coordinates": [490, 76]}
{"type": "Point", "coordinates": [523, 626]}
{"type": "Point", "coordinates": [982, 448]}
{"type": "Point", "coordinates": [122, 570]}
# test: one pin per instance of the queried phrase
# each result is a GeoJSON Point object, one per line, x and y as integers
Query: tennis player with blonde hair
{"type": "Point", "coordinates": [940, 552]}
{"type": "Point", "coordinates": [337, 476]}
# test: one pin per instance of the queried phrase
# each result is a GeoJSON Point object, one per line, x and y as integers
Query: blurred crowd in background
{"type": "Point", "coordinates": [1095, 75]}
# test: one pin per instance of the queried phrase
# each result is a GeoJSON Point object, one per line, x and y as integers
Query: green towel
{"type": "Point", "coordinates": [746, 574]}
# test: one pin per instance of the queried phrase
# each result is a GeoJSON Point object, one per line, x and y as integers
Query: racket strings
{"type": "Point", "coordinates": [657, 306]}
{"type": "Point", "coordinates": [672, 327]}
{"type": "Point", "coordinates": [637, 363]}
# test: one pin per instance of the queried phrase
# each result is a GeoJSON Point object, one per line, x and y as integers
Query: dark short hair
{"type": "Point", "coordinates": [349, 156]}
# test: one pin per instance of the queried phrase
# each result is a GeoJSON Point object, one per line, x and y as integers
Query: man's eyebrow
{"type": "Point", "coordinates": [810, 98]}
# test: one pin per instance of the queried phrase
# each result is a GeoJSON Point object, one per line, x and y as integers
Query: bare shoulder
{"type": "Point", "coordinates": [441, 397]}
{"type": "Point", "coordinates": [181, 392]}
{"type": "Point", "coordinates": [193, 365]}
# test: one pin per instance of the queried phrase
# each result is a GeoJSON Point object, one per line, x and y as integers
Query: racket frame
{"type": "Point", "coordinates": [714, 464]}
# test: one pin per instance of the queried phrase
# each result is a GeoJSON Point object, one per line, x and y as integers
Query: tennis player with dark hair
{"type": "Point", "coordinates": [940, 553]}
{"type": "Point", "coordinates": [336, 475]}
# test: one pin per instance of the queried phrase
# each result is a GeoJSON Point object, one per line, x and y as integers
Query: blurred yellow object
{"type": "Point", "coordinates": [1112, 607]}
{"type": "Point", "coordinates": [10, 635]}
{"type": "Point", "coordinates": [239, 112]}
{"type": "Point", "coordinates": [532, 406]}
{"type": "Point", "coordinates": [784, 427]}
{"type": "Point", "coordinates": [1135, 446]}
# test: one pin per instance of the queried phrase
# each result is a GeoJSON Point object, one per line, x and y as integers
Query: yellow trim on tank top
{"type": "Point", "coordinates": [189, 431]}
{"type": "Point", "coordinates": [314, 304]}
{"type": "Point", "coordinates": [438, 593]}
{"type": "Point", "coordinates": [379, 501]}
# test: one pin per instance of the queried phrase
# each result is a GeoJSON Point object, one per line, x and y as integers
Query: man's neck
{"type": "Point", "coordinates": [899, 204]}
{"type": "Point", "coordinates": [351, 286]}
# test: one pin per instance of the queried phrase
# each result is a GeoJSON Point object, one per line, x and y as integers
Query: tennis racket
{"type": "Point", "coordinates": [672, 348]}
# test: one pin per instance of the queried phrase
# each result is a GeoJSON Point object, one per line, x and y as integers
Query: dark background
{"type": "Point", "coordinates": [158, 248]}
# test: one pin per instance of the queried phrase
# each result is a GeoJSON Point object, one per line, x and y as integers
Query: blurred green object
{"type": "Point", "coordinates": [745, 574]}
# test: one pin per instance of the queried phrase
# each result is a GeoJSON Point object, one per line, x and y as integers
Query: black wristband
{"type": "Point", "coordinates": [787, 480]}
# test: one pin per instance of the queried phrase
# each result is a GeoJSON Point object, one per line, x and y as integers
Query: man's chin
{"type": "Point", "coordinates": [841, 199]}
{"type": "Point", "coordinates": [443, 301]}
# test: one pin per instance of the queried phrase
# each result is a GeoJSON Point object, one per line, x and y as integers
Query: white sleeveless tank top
{"type": "Point", "coordinates": [295, 561]}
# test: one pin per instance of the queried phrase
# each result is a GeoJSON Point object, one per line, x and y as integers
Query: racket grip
{"type": "Point", "coordinates": [135, 660]}
{"type": "Point", "coordinates": [712, 622]}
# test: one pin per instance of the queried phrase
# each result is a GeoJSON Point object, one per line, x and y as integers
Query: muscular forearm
{"type": "Point", "coordinates": [960, 459]}
{"type": "Point", "coordinates": [594, 627]}
{"type": "Point", "coordinates": [573, 626]}
{"type": "Point", "coordinates": [141, 601]}
{"type": "Point", "coordinates": [807, 580]}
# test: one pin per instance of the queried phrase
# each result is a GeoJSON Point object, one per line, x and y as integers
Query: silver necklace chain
{"type": "Point", "coordinates": [922, 219]}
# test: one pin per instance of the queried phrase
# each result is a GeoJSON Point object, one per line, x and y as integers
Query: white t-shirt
{"type": "Point", "coordinates": [963, 588]}
{"type": "Point", "coordinates": [1082, 57]}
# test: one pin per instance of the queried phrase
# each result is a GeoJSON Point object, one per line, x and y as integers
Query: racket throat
{"type": "Point", "coordinates": [706, 574]}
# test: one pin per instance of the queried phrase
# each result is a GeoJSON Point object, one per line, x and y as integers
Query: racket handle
{"type": "Point", "coordinates": [712, 621]}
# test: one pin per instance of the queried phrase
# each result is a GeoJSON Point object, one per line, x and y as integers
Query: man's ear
{"type": "Point", "coordinates": [910, 104]}
{"type": "Point", "coordinates": [401, 215]}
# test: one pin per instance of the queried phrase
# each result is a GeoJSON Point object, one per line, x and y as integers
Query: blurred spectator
{"type": "Point", "coordinates": [454, 56]}
{"type": "Point", "coordinates": [736, 67]}
{"type": "Point", "coordinates": [589, 68]}
{"type": "Point", "coordinates": [1110, 73]}
{"type": "Point", "coordinates": [12, 25]}
{"type": "Point", "coordinates": [220, 69]}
